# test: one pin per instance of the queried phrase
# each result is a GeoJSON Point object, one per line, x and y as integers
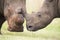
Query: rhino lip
{"type": "Point", "coordinates": [15, 29]}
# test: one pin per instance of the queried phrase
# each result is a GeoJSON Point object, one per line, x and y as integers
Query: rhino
{"type": "Point", "coordinates": [40, 13]}
{"type": "Point", "coordinates": [11, 11]}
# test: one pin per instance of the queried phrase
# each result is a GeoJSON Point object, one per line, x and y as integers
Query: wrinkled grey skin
{"type": "Point", "coordinates": [12, 10]}
{"type": "Point", "coordinates": [40, 19]}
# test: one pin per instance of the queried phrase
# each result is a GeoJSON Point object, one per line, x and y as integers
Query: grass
{"type": "Point", "coordinates": [51, 32]}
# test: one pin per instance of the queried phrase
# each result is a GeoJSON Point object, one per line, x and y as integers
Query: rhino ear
{"type": "Point", "coordinates": [50, 0]}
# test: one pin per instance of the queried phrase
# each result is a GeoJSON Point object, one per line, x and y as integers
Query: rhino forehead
{"type": "Point", "coordinates": [33, 5]}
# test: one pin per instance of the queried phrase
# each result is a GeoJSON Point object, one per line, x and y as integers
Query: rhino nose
{"type": "Point", "coordinates": [29, 26]}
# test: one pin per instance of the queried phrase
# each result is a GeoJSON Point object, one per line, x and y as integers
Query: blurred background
{"type": "Point", "coordinates": [51, 32]}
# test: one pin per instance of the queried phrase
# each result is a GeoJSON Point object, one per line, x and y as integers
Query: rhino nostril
{"type": "Point", "coordinates": [30, 27]}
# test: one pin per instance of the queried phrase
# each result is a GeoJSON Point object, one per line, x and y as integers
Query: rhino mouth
{"type": "Point", "coordinates": [35, 28]}
{"type": "Point", "coordinates": [15, 29]}
{"type": "Point", "coordinates": [32, 29]}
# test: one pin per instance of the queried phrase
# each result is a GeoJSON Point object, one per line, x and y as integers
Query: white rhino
{"type": "Point", "coordinates": [40, 13]}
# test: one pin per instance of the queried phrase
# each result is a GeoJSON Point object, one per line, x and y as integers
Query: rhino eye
{"type": "Point", "coordinates": [20, 12]}
{"type": "Point", "coordinates": [50, 0]}
{"type": "Point", "coordinates": [39, 14]}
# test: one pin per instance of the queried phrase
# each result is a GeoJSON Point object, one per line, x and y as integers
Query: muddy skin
{"type": "Point", "coordinates": [12, 10]}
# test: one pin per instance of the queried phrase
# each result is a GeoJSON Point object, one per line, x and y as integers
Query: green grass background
{"type": "Point", "coordinates": [51, 32]}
